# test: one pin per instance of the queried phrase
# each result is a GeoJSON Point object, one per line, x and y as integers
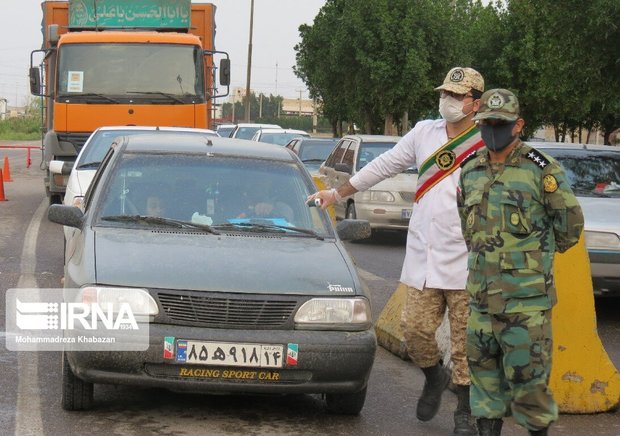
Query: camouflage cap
{"type": "Point", "coordinates": [462, 80]}
{"type": "Point", "coordinates": [500, 104]}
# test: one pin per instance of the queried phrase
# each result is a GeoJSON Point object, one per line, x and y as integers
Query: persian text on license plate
{"type": "Point", "coordinates": [230, 354]}
{"type": "Point", "coordinates": [406, 214]}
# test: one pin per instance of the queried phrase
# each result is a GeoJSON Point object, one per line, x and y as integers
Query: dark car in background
{"type": "Point", "coordinates": [312, 151]}
{"type": "Point", "coordinates": [216, 235]}
{"type": "Point", "coordinates": [593, 172]}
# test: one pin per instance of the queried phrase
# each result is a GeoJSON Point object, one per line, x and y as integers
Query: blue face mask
{"type": "Point", "coordinates": [497, 137]}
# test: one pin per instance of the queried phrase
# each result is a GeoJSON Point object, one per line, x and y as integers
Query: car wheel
{"type": "Point", "coordinates": [346, 404]}
{"type": "Point", "coordinates": [76, 393]}
{"type": "Point", "coordinates": [350, 213]}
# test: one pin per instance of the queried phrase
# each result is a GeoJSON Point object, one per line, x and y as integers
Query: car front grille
{"type": "Point", "coordinates": [228, 310]}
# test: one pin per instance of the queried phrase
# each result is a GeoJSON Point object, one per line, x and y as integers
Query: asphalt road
{"type": "Point", "coordinates": [31, 254]}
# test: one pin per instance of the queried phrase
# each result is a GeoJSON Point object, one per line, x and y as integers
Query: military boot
{"type": "Point", "coordinates": [464, 423]}
{"type": "Point", "coordinates": [489, 427]}
{"type": "Point", "coordinates": [437, 379]}
{"type": "Point", "coordinates": [541, 432]}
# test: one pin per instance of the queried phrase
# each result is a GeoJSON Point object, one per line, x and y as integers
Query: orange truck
{"type": "Point", "coordinates": [122, 62]}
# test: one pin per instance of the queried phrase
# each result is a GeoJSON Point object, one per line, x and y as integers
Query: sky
{"type": "Point", "coordinates": [276, 24]}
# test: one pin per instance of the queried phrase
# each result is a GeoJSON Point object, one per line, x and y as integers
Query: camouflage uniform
{"type": "Point", "coordinates": [514, 217]}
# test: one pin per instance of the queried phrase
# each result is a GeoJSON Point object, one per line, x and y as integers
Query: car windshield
{"type": "Point", "coordinates": [246, 132]}
{"type": "Point", "coordinates": [278, 138]}
{"type": "Point", "coordinates": [369, 151]}
{"type": "Point", "coordinates": [316, 151]}
{"type": "Point", "coordinates": [232, 194]}
{"type": "Point", "coordinates": [225, 131]}
{"type": "Point", "coordinates": [98, 145]}
{"type": "Point", "coordinates": [590, 173]}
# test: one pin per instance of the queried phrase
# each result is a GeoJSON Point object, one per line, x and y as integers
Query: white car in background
{"type": "Point", "coordinates": [278, 136]}
{"type": "Point", "coordinates": [247, 130]}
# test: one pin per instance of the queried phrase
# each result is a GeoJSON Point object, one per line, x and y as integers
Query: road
{"type": "Point", "coordinates": [31, 254]}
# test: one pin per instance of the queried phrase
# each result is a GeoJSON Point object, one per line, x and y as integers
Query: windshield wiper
{"type": "Point", "coordinates": [169, 222]}
{"type": "Point", "coordinates": [312, 160]}
{"type": "Point", "coordinates": [89, 165]}
{"type": "Point", "coordinates": [261, 227]}
{"type": "Point", "coordinates": [164, 94]}
{"type": "Point", "coordinates": [90, 94]}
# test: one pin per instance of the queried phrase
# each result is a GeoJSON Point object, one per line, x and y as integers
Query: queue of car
{"type": "Point", "coordinates": [154, 214]}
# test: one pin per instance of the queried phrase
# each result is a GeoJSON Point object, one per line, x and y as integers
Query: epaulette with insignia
{"type": "Point", "coordinates": [538, 158]}
{"type": "Point", "coordinates": [471, 156]}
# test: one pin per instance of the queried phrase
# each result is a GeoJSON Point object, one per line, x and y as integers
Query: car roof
{"type": "Point", "coordinates": [268, 126]}
{"type": "Point", "coordinates": [373, 138]}
{"type": "Point", "coordinates": [164, 141]}
{"type": "Point", "coordinates": [572, 146]}
{"type": "Point", "coordinates": [154, 128]}
{"type": "Point", "coordinates": [301, 132]}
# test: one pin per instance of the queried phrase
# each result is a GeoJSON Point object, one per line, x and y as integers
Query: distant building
{"type": "Point", "coordinates": [295, 106]}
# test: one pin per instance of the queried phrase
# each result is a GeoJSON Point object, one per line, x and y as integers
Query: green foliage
{"type": "Point", "coordinates": [373, 60]}
{"type": "Point", "coordinates": [21, 128]}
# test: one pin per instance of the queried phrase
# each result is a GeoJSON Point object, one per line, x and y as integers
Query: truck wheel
{"type": "Point", "coordinates": [76, 393]}
{"type": "Point", "coordinates": [346, 404]}
{"type": "Point", "coordinates": [55, 199]}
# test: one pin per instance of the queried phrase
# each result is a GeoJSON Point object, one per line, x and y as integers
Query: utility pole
{"type": "Point", "coordinates": [300, 91]}
{"type": "Point", "coordinates": [247, 85]}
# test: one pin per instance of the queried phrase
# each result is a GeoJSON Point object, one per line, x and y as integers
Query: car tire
{"type": "Point", "coordinates": [346, 404]}
{"type": "Point", "coordinates": [76, 393]}
{"type": "Point", "coordinates": [350, 214]}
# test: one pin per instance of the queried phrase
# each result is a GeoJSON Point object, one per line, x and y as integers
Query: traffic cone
{"type": "Point", "coordinates": [2, 197]}
{"type": "Point", "coordinates": [6, 170]}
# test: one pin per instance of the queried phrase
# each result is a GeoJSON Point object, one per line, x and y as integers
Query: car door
{"type": "Point", "coordinates": [343, 171]}
{"type": "Point", "coordinates": [327, 170]}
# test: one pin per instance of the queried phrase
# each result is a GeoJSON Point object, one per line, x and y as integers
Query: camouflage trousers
{"type": "Point", "coordinates": [509, 358]}
{"type": "Point", "coordinates": [422, 315]}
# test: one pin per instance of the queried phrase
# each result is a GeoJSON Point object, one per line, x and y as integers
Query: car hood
{"type": "Point", "coordinates": [264, 263]}
{"type": "Point", "coordinates": [601, 213]}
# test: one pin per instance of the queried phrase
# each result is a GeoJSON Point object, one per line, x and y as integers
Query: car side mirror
{"type": "Point", "coordinates": [70, 216]}
{"type": "Point", "coordinates": [353, 230]}
{"type": "Point", "coordinates": [35, 81]}
{"type": "Point", "coordinates": [343, 168]}
{"type": "Point", "coordinates": [225, 72]}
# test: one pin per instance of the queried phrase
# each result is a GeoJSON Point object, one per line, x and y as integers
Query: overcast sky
{"type": "Point", "coordinates": [276, 24]}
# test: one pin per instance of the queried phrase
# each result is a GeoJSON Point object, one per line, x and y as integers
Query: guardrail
{"type": "Point", "coordinates": [27, 147]}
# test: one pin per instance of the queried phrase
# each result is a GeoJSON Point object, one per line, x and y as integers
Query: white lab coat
{"type": "Point", "coordinates": [436, 255]}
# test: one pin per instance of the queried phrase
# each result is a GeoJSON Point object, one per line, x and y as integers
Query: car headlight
{"type": "Point", "coordinates": [139, 301]}
{"type": "Point", "coordinates": [378, 196]}
{"type": "Point", "coordinates": [602, 240]}
{"type": "Point", "coordinates": [334, 314]}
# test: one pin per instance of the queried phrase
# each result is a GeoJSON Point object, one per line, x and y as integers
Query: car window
{"type": "Point", "coordinates": [246, 132]}
{"type": "Point", "coordinates": [590, 173]}
{"type": "Point", "coordinates": [370, 151]}
{"type": "Point", "coordinates": [314, 151]}
{"type": "Point", "coordinates": [277, 138]}
{"type": "Point", "coordinates": [337, 154]}
{"type": "Point", "coordinates": [349, 154]}
{"type": "Point", "coordinates": [98, 145]}
{"type": "Point", "coordinates": [213, 190]}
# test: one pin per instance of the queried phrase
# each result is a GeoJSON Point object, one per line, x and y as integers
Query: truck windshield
{"type": "Point", "coordinates": [167, 72]}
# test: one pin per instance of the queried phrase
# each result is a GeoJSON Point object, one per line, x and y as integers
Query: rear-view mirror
{"type": "Point", "coordinates": [70, 216]}
{"type": "Point", "coordinates": [353, 230]}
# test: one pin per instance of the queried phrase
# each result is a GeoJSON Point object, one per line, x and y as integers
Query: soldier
{"type": "Point", "coordinates": [435, 267]}
{"type": "Point", "coordinates": [517, 209]}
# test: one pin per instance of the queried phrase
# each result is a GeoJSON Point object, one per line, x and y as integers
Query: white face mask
{"type": "Point", "coordinates": [451, 109]}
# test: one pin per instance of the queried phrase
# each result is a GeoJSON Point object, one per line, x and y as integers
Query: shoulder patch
{"type": "Point", "coordinates": [550, 183]}
{"type": "Point", "coordinates": [537, 157]}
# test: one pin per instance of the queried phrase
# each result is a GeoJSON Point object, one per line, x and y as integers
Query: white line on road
{"type": "Point", "coordinates": [28, 419]}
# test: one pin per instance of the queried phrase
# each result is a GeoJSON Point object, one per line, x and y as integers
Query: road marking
{"type": "Point", "coordinates": [28, 419]}
{"type": "Point", "coordinates": [366, 275]}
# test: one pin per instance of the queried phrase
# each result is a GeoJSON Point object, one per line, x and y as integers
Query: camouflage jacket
{"type": "Point", "coordinates": [513, 221]}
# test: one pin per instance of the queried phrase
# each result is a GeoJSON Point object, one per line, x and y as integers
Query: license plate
{"type": "Point", "coordinates": [406, 214]}
{"type": "Point", "coordinates": [230, 354]}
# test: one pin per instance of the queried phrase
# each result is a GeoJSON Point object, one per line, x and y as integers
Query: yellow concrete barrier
{"type": "Point", "coordinates": [583, 378]}
{"type": "Point", "coordinates": [320, 184]}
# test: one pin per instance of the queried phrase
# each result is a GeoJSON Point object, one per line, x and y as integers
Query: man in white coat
{"type": "Point", "coordinates": [435, 267]}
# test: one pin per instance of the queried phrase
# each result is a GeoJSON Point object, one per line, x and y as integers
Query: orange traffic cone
{"type": "Point", "coordinates": [6, 170]}
{"type": "Point", "coordinates": [2, 197]}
